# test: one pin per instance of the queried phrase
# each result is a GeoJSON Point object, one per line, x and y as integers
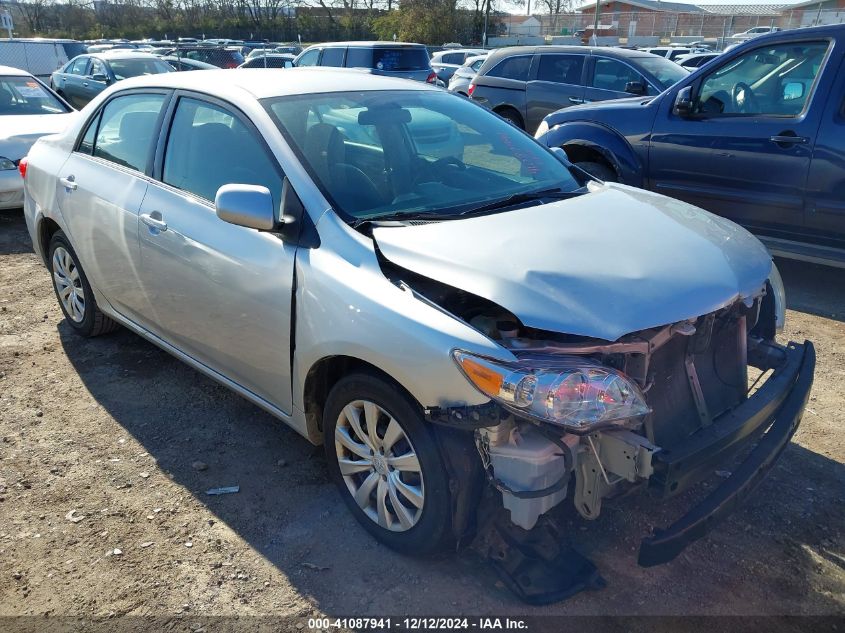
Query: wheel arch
{"type": "Point", "coordinates": [47, 228]}
{"type": "Point", "coordinates": [325, 373]}
{"type": "Point", "coordinates": [589, 141]}
{"type": "Point", "coordinates": [499, 109]}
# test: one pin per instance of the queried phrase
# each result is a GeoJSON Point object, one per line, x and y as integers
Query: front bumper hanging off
{"type": "Point", "coordinates": [777, 406]}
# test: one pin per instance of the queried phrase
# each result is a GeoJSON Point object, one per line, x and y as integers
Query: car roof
{"type": "Point", "coordinates": [253, 82]}
{"type": "Point", "coordinates": [123, 53]}
{"type": "Point", "coordinates": [608, 51]}
{"type": "Point", "coordinates": [16, 72]}
{"type": "Point", "coordinates": [374, 44]}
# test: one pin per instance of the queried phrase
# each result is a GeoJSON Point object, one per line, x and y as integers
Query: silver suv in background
{"type": "Point", "coordinates": [391, 59]}
{"type": "Point", "coordinates": [463, 76]}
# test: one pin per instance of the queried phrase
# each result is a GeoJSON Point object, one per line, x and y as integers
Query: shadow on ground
{"type": "Point", "coordinates": [813, 288]}
{"type": "Point", "coordinates": [295, 519]}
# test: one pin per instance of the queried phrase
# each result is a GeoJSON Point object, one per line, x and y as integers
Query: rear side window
{"type": "Point", "coordinates": [561, 69]}
{"type": "Point", "coordinates": [210, 147]}
{"type": "Point", "coordinates": [453, 58]}
{"type": "Point", "coordinates": [128, 130]}
{"type": "Point", "coordinates": [400, 59]}
{"type": "Point", "coordinates": [332, 57]}
{"type": "Point", "coordinates": [512, 68]}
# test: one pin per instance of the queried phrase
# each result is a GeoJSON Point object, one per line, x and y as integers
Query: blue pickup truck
{"type": "Point", "coordinates": [757, 136]}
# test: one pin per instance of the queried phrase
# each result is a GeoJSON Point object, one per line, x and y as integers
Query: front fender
{"type": "Point", "coordinates": [599, 138]}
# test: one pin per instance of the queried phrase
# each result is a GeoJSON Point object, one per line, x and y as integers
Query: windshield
{"type": "Point", "coordinates": [124, 68]}
{"type": "Point", "coordinates": [26, 95]}
{"type": "Point", "coordinates": [666, 72]}
{"type": "Point", "coordinates": [378, 154]}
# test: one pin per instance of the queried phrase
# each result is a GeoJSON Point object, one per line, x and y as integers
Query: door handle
{"type": "Point", "coordinates": [69, 183]}
{"type": "Point", "coordinates": [85, 83]}
{"type": "Point", "coordinates": [575, 100]}
{"type": "Point", "coordinates": [154, 223]}
{"type": "Point", "coordinates": [788, 139]}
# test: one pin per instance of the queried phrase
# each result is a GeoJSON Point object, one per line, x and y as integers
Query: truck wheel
{"type": "Point", "coordinates": [386, 464]}
{"type": "Point", "coordinates": [73, 291]}
{"type": "Point", "coordinates": [599, 170]}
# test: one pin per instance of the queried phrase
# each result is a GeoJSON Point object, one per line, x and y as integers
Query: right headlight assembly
{"type": "Point", "coordinates": [569, 390]}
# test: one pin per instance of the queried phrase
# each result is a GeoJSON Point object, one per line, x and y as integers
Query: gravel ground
{"type": "Point", "coordinates": [107, 447]}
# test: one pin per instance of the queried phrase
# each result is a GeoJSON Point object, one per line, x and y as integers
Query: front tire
{"type": "Point", "coordinates": [599, 170]}
{"type": "Point", "coordinates": [76, 299]}
{"type": "Point", "coordinates": [386, 464]}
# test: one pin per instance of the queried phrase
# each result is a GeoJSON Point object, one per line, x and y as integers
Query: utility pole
{"type": "Point", "coordinates": [486, 16]}
{"type": "Point", "coordinates": [596, 25]}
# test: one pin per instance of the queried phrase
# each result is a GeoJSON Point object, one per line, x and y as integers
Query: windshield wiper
{"type": "Point", "coordinates": [518, 198]}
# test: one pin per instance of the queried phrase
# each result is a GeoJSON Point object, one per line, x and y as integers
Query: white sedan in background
{"type": "Point", "coordinates": [28, 111]}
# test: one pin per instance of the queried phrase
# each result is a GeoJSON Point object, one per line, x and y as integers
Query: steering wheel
{"type": "Point", "coordinates": [744, 99]}
{"type": "Point", "coordinates": [437, 167]}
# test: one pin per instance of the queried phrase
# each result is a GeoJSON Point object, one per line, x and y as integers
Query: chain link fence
{"type": "Point", "coordinates": [652, 28]}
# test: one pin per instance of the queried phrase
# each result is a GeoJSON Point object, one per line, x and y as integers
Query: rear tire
{"type": "Point", "coordinates": [392, 480]}
{"type": "Point", "coordinates": [599, 170]}
{"type": "Point", "coordinates": [76, 299]}
{"type": "Point", "coordinates": [512, 116]}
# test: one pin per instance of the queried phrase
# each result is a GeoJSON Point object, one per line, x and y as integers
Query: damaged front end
{"type": "Point", "coordinates": [659, 409]}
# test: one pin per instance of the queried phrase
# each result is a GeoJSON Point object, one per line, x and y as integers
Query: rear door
{"type": "Point", "coordinates": [745, 153]}
{"type": "Point", "coordinates": [825, 201]}
{"type": "Point", "coordinates": [220, 293]}
{"type": "Point", "coordinates": [557, 83]}
{"type": "Point", "coordinates": [100, 190]}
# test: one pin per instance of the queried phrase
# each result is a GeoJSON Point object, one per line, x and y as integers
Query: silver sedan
{"type": "Point", "coordinates": [416, 284]}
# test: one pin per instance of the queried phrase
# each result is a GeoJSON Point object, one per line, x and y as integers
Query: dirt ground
{"type": "Point", "coordinates": [103, 507]}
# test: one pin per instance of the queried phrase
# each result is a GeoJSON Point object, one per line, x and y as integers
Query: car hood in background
{"type": "Point", "coordinates": [19, 132]}
{"type": "Point", "coordinates": [608, 263]}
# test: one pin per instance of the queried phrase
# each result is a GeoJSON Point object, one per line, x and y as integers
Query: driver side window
{"type": "Point", "coordinates": [209, 147]}
{"type": "Point", "coordinates": [768, 81]}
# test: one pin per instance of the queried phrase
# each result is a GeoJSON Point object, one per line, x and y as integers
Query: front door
{"type": "Point", "coordinates": [558, 84]}
{"type": "Point", "coordinates": [220, 293]}
{"type": "Point", "coordinates": [825, 202]}
{"type": "Point", "coordinates": [609, 79]}
{"type": "Point", "coordinates": [745, 151]}
{"type": "Point", "coordinates": [100, 191]}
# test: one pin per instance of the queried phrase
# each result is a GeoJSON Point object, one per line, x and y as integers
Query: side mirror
{"type": "Point", "coordinates": [683, 102]}
{"type": "Point", "coordinates": [635, 88]}
{"type": "Point", "coordinates": [246, 205]}
{"type": "Point", "coordinates": [560, 154]}
{"type": "Point", "coordinates": [100, 77]}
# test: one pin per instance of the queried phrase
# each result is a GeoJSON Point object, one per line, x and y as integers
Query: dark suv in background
{"type": "Point", "coordinates": [525, 83]}
{"type": "Point", "coordinates": [220, 56]}
{"type": "Point", "coordinates": [394, 59]}
{"type": "Point", "coordinates": [757, 136]}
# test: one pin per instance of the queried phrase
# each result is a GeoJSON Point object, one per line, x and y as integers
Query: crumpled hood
{"type": "Point", "coordinates": [19, 132]}
{"type": "Point", "coordinates": [604, 264]}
